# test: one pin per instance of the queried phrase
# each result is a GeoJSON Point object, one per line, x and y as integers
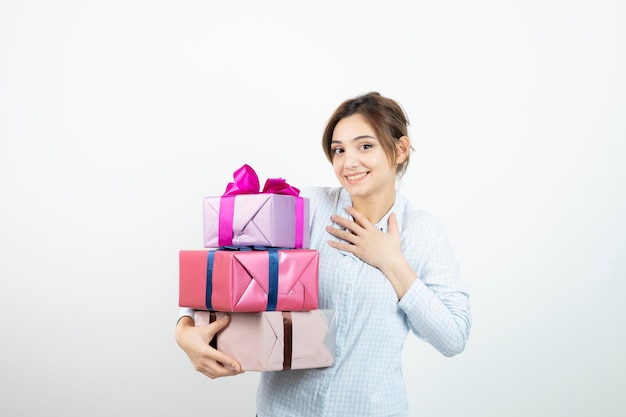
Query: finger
{"type": "Point", "coordinates": [216, 370]}
{"type": "Point", "coordinates": [210, 330]}
{"type": "Point", "coordinates": [217, 355]}
{"type": "Point", "coordinates": [341, 234]}
{"type": "Point", "coordinates": [227, 363]}
{"type": "Point", "coordinates": [393, 224]}
{"type": "Point", "coordinates": [219, 324]}
{"type": "Point", "coordinates": [343, 246]}
{"type": "Point", "coordinates": [359, 219]}
{"type": "Point", "coordinates": [343, 222]}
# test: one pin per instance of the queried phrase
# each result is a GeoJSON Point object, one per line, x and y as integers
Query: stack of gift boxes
{"type": "Point", "coordinates": [256, 266]}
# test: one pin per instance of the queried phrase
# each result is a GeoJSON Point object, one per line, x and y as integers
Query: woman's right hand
{"type": "Point", "coordinates": [195, 342]}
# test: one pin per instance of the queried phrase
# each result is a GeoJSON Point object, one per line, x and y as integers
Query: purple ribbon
{"type": "Point", "coordinates": [247, 182]}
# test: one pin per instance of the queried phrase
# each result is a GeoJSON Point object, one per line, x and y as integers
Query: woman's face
{"type": "Point", "coordinates": [359, 160]}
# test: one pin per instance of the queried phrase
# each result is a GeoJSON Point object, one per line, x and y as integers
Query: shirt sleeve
{"type": "Point", "coordinates": [437, 303]}
{"type": "Point", "coordinates": [184, 312]}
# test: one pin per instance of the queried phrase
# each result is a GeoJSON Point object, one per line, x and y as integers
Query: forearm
{"type": "Point", "coordinates": [400, 274]}
{"type": "Point", "coordinates": [442, 320]}
{"type": "Point", "coordinates": [183, 324]}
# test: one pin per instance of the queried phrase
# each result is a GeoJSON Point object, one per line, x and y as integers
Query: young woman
{"type": "Point", "coordinates": [385, 267]}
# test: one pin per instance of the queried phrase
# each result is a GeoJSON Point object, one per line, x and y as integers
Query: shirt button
{"type": "Point", "coordinates": [348, 288]}
{"type": "Point", "coordinates": [338, 353]}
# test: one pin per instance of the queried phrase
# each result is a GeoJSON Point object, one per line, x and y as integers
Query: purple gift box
{"type": "Point", "coordinates": [246, 216]}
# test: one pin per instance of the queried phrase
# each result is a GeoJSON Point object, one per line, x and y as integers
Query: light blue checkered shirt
{"type": "Point", "coordinates": [372, 325]}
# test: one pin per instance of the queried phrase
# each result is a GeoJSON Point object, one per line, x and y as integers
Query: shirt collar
{"type": "Point", "coordinates": [399, 207]}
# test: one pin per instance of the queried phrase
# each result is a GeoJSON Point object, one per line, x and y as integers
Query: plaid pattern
{"type": "Point", "coordinates": [372, 324]}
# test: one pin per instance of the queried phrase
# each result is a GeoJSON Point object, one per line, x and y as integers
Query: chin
{"type": "Point", "coordinates": [355, 191]}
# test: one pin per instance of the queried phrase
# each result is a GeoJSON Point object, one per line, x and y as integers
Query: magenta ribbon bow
{"type": "Point", "coordinates": [247, 182]}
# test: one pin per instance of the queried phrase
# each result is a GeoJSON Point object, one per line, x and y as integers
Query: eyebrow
{"type": "Point", "coordinates": [356, 138]}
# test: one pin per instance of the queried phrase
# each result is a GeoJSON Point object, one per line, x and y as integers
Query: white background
{"type": "Point", "coordinates": [117, 117]}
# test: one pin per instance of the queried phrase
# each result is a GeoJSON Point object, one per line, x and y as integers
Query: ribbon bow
{"type": "Point", "coordinates": [247, 182]}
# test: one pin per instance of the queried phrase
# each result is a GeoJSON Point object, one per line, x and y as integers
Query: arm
{"type": "Point", "coordinates": [432, 296]}
{"type": "Point", "coordinates": [437, 304]}
{"type": "Point", "coordinates": [195, 342]}
{"type": "Point", "coordinates": [441, 320]}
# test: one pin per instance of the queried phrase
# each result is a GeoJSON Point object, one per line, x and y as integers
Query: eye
{"type": "Point", "coordinates": [336, 151]}
{"type": "Point", "coordinates": [366, 146]}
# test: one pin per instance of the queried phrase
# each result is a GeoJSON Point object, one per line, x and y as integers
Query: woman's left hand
{"type": "Point", "coordinates": [365, 241]}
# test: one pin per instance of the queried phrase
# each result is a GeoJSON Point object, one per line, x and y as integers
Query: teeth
{"type": "Point", "coordinates": [356, 177]}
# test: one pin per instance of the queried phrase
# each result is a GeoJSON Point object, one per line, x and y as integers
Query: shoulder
{"type": "Point", "coordinates": [421, 222]}
{"type": "Point", "coordinates": [422, 218]}
{"type": "Point", "coordinates": [425, 239]}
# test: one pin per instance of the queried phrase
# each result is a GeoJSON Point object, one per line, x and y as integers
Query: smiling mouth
{"type": "Point", "coordinates": [356, 177]}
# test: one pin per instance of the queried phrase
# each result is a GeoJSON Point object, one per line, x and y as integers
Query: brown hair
{"type": "Point", "coordinates": [383, 114]}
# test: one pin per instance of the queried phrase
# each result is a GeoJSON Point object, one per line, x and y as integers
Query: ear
{"type": "Point", "coordinates": [403, 148]}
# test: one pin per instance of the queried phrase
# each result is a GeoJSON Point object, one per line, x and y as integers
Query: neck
{"type": "Point", "coordinates": [374, 208]}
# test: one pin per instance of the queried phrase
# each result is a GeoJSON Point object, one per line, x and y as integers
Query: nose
{"type": "Point", "coordinates": [351, 159]}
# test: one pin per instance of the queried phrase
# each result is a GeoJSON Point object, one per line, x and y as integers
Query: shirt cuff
{"type": "Point", "coordinates": [185, 312]}
{"type": "Point", "coordinates": [416, 295]}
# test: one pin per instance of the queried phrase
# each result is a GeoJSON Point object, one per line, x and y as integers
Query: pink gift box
{"type": "Point", "coordinates": [276, 340]}
{"type": "Point", "coordinates": [249, 281]}
{"type": "Point", "coordinates": [273, 220]}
